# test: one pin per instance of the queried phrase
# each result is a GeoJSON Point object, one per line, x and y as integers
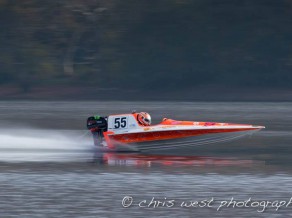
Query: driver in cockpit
{"type": "Point", "coordinates": [144, 119]}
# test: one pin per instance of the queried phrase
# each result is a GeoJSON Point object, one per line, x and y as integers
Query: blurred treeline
{"type": "Point", "coordinates": [142, 44]}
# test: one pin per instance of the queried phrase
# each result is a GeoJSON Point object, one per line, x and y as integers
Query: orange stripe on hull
{"type": "Point", "coordinates": [165, 135]}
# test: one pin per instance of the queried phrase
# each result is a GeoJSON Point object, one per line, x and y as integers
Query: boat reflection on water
{"type": "Point", "coordinates": [136, 159]}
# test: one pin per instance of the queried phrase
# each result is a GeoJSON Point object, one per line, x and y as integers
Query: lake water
{"type": "Point", "coordinates": [49, 167]}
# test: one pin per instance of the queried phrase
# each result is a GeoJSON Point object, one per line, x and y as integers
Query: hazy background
{"type": "Point", "coordinates": [164, 50]}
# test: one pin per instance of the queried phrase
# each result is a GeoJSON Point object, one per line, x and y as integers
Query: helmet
{"type": "Point", "coordinates": [144, 118]}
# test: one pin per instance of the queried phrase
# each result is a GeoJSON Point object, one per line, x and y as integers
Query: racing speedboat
{"type": "Point", "coordinates": [123, 132]}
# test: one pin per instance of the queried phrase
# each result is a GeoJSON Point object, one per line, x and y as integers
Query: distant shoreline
{"type": "Point", "coordinates": [195, 94]}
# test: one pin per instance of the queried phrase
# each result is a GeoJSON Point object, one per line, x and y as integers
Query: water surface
{"type": "Point", "coordinates": [50, 169]}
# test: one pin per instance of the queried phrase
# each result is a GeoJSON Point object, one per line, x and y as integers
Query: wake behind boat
{"type": "Point", "coordinates": [134, 131]}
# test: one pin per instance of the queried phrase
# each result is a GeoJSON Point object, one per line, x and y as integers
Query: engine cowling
{"type": "Point", "coordinates": [97, 122]}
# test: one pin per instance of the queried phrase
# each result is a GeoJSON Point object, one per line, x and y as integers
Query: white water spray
{"type": "Point", "coordinates": [17, 145]}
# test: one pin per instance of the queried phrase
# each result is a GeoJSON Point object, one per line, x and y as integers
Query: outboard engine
{"type": "Point", "coordinates": [97, 125]}
{"type": "Point", "coordinates": [97, 122]}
